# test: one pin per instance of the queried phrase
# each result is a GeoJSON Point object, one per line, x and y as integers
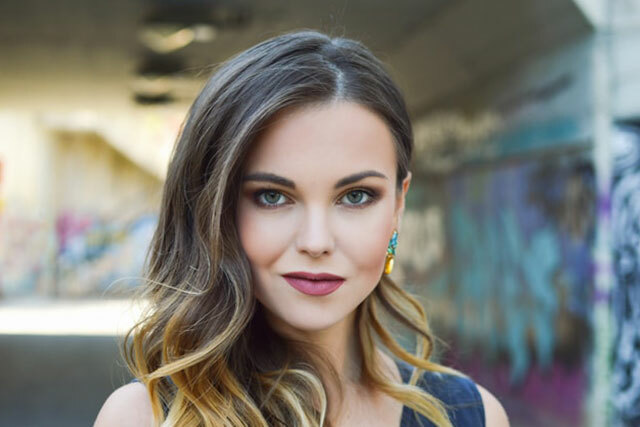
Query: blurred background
{"type": "Point", "coordinates": [523, 224]}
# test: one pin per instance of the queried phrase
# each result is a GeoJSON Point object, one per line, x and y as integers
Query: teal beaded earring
{"type": "Point", "coordinates": [391, 252]}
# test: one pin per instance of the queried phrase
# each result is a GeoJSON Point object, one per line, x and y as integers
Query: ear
{"type": "Point", "coordinates": [400, 201]}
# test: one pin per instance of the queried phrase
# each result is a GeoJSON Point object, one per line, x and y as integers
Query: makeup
{"type": "Point", "coordinates": [314, 284]}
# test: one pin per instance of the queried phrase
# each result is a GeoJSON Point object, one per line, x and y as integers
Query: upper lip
{"type": "Point", "coordinates": [313, 276]}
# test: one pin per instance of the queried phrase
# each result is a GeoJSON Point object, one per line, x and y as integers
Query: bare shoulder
{"type": "Point", "coordinates": [129, 405]}
{"type": "Point", "coordinates": [494, 412]}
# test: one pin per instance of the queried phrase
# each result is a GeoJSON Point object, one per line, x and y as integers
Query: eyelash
{"type": "Point", "coordinates": [371, 194]}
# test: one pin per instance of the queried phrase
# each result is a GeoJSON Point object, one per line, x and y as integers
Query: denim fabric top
{"type": "Point", "coordinates": [460, 396]}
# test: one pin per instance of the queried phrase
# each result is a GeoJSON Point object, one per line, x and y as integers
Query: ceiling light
{"type": "Point", "coordinates": [167, 38]}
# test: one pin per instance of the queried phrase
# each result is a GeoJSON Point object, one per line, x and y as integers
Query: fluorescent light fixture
{"type": "Point", "coordinates": [167, 38]}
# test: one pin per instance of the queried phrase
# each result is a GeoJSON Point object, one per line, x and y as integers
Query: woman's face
{"type": "Point", "coordinates": [319, 196]}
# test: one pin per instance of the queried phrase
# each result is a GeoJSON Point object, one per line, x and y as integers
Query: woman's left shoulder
{"type": "Point", "coordinates": [494, 412]}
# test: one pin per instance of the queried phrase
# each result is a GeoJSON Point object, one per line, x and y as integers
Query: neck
{"type": "Point", "coordinates": [339, 342]}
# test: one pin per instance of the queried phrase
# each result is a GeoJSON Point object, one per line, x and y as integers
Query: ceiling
{"type": "Point", "coordinates": [79, 54]}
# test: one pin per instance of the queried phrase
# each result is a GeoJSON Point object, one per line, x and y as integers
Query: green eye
{"type": "Point", "coordinates": [272, 197]}
{"type": "Point", "coordinates": [269, 198]}
{"type": "Point", "coordinates": [355, 196]}
{"type": "Point", "coordinates": [358, 198]}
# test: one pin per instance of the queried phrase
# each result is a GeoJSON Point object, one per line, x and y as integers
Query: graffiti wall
{"type": "Point", "coordinates": [513, 280]}
{"type": "Point", "coordinates": [625, 208]}
{"type": "Point", "coordinates": [80, 255]}
{"type": "Point", "coordinates": [89, 238]}
{"type": "Point", "coordinates": [25, 249]}
{"type": "Point", "coordinates": [99, 255]}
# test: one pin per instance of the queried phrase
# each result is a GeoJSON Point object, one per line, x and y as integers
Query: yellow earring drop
{"type": "Point", "coordinates": [391, 252]}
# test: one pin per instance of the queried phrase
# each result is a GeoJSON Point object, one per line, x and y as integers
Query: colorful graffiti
{"type": "Point", "coordinates": [97, 255]}
{"type": "Point", "coordinates": [423, 244]}
{"type": "Point", "coordinates": [79, 255]}
{"type": "Point", "coordinates": [625, 207]}
{"type": "Point", "coordinates": [518, 277]}
{"type": "Point", "coordinates": [26, 251]}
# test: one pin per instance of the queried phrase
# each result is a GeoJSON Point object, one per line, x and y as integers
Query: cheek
{"type": "Point", "coordinates": [365, 241]}
{"type": "Point", "coordinates": [263, 237]}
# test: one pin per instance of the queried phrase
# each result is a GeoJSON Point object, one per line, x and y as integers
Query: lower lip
{"type": "Point", "coordinates": [314, 287]}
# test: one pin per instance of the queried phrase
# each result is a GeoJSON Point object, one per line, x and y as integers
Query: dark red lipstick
{"type": "Point", "coordinates": [316, 284]}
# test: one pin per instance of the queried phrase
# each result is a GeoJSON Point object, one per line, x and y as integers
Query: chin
{"type": "Point", "coordinates": [305, 318]}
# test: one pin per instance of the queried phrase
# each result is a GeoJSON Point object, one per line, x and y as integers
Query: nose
{"type": "Point", "coordinates": [314, 235]}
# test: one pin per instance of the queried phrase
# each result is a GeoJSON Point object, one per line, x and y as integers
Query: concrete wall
{"type": "Point", "coordinates": [621, 41]}
{"type": "Point", "coordinates": [76, 214]}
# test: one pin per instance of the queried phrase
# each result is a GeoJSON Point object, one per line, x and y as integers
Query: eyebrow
{"type": "Point", "coordinates": [276, 179]}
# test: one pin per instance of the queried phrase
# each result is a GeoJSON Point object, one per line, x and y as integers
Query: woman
{"type": "Point", "coordinates": [268, 272]}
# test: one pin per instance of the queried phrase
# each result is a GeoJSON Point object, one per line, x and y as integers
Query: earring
{"type": "Point", "coordinates": [391, 252]}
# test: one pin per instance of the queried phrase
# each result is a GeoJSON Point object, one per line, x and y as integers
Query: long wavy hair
{"type": "Point", "coordinates": [203, 348]}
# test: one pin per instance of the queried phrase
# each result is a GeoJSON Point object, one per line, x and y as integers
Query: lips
{"type": "Point", "coordinates": [315, 284]}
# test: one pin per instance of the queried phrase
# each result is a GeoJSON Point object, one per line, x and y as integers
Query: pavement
{"type": "Point", "coordinates": [60, 360]}
{"type": "Point", "coordinates": [57, 380]}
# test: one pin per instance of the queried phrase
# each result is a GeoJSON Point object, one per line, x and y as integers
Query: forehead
{"type": "Point", "coordinates": [326, 140]}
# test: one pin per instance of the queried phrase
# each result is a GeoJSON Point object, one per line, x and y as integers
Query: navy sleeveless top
{"type": "Point", "coordinates": [459, 395]}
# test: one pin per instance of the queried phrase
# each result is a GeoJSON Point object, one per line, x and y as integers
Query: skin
{"type": "Point", "coordinates": [317, 227]}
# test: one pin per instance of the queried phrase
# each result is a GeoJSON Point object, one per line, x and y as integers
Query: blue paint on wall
{"type": "Point", "coordinates": [519, 256]}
